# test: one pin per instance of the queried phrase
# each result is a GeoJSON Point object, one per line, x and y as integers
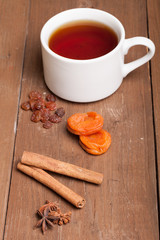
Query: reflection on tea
{"type": "Point", "coordinates": [83, 40]}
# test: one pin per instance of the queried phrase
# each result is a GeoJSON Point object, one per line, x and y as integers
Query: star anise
{"type": "Point", "coordinates": [62, 218]}
{"type": "Point", "coordinates": [51, 214]}
{"type": "Point", "coordinates": [53, 206]}
{"type": "Point", "coordinates": [45, 220]}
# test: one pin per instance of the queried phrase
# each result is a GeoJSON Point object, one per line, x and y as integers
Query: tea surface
{"type": "Point", "coordinates": [83, 40]}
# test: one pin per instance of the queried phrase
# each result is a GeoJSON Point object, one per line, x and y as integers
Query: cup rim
{"type": "Point", "coordinates": [46, 47]}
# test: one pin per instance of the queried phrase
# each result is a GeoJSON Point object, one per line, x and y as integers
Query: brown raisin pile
{"type": "Point", "coordinates": [43, 110]}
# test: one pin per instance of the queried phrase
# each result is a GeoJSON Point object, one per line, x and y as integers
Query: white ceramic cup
{"type": "Point", "coordinates": [93, 79]}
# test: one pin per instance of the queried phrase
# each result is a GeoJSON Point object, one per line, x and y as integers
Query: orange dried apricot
{"type": "Point", "coordinates": [85, 123]}
{"type": "Point", "coordinates": [96, 143]}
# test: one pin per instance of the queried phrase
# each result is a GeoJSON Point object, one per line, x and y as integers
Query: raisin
{"type": "Point", "coordinates": [50, 97]}
{"type": "Point", "coordinates": [32, 104]}
{"type": "Point", "coordinates": [42, 108]}
{"type": "Point", "coordinates": [35, 95]}
{"type": "Point", "coordinates": [45, 114]}
{"type": "Point", "coordinates": [55, 118]}
{"type": "Point", "coordinates": [26, 106]}
{"type": "Point", "coordinates": [51, 105]}
{"type": "Point", "coordinates": [39, 104]}
{"type": "Point", "coordinates": [47, 124]}
{"type": "Point", "coordinates": [36, 116]}
{"type": "Point", "coordinates": [60, 112]}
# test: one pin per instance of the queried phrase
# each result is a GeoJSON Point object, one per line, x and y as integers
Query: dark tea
{"type": "Point", "coordinates": [83, 40]}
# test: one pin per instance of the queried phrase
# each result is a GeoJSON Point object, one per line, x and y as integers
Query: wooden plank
{"type": "Point", "coordinates": [13, 23]}
{"type": "Point", "coordinates": [154, 33]}
{"type": "Point", "coordinates": [125, 205]}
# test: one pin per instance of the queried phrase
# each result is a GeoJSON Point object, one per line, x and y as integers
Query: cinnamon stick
{"type": "Point", "coordinates": [52, 183]}
{"type": "Point", "coordinates": [61, 167]}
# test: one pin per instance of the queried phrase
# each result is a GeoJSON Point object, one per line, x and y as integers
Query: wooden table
{"type": "Point", "coordinates": [126, 205]}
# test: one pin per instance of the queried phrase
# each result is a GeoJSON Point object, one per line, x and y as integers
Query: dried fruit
{"type": "Point", "coordinates": [39, 104]}
{"type": "Point", "coordinates": [26, 106]}
{"type": "Point", "coordinates": [55, 118]}
{"type": "Point", "coordinates": [92, 138]}
{"type": "Point", "coordinates": [32, 104]}
{"type": "Point", "coordinates": [50, 105]}
{"type": "Point", "coordinates": [45, 114]}
{"type": "Point", "coordinates": [35, 95]}
{"type": "Point", "coordinates": [47, 124]}
{"type": "Point", "coordinates": [96, 143]}
{"type": "Point", "coordinates": [60, 112]}
{"type": "Point", "coordinates": [85, 123]}
{"type": "Point", "coordinates": [42, 108]}
{"type": "Point", "coordinates": [51, 97]}
{"type": "Point", "coordinates": [36, 116]}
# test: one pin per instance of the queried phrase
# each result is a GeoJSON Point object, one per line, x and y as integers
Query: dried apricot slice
{"type": "Point", "coordinates": [85, 123]}
{"type": "Point", "coordinates": [96, 143]}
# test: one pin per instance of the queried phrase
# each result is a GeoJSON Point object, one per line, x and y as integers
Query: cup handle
{"type": "Point", "coordinates": [128, 43]}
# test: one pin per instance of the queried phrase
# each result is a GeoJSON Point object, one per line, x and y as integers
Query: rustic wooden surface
{"type": "Point", "coordinates": [126, 205]}
{"type": "Point", "coordinates": [154, 33]}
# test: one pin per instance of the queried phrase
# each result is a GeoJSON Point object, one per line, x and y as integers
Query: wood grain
{"type": "Point", "coordinates": [124, 206]}
{"type": "Point", "coordinates": [13, 26]}
{"type": "Point", "coordinates": [154, 33]}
